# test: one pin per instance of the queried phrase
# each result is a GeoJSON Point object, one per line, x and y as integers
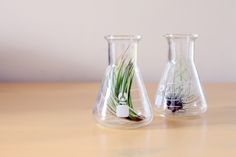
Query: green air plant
{"type": "Point", "coordinates": [120, 85]}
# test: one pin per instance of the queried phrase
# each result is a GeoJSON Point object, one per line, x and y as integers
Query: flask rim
{"type": "Point", "coordinates": [123, 37]}
{"type": "Point", "coordinates": [193, 36]}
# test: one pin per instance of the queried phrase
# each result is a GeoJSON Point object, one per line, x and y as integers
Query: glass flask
{"type": "Point", "coordinates": [180, 92]}
{"type": "Point", "coordinates": [123, 101]}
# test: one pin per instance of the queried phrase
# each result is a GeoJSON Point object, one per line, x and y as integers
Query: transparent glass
{"type": "Point", "coordinates": [180, 92]}
{"type": "Point", "coordinates": [123, 101]}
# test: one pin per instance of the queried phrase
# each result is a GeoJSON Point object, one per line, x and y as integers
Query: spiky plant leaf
{"type": "Point", "coordinates": [121, 84]}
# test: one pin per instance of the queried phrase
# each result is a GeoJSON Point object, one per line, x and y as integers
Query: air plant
{"type": "Point", "coordinates": [179, 92]}
{"type": "Point", "coordinates": [120, 89]}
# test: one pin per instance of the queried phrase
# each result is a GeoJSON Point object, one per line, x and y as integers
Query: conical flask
{"type": "Point", "coordinates": [180, 92]}
{"type": "Point", "coordinates": [123, 101]}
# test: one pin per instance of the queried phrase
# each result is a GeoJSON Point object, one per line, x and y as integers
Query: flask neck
{"type": "Point", "coordinates": [122, 49]}
{"type": "Point", "coordinates": [181, 47]}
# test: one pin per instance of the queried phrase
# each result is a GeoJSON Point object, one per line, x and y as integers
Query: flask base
{"type": "Point", "coordinates": [188, 113]}
{"type": "Point", "coordinates": [123, 123]}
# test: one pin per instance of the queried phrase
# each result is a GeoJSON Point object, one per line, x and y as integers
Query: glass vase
{"type": "Point", "coordinates": [180, 92]}
{"type": "Point", "coordinates": [123, 101]}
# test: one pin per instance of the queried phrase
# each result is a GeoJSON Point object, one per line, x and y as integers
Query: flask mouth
{"type": "Point", "coordinates": [175, 36]}
{"type": "Point", "coordinates": [123, 37]}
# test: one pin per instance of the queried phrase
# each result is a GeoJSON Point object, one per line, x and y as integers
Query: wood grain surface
{"type": "Point", "coordinates": [55, 120]}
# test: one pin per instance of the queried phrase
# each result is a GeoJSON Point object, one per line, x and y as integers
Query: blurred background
{"type": "Point", "coordinates": [63, 40]}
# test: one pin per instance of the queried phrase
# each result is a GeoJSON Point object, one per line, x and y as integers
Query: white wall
{"type": "Point", "coordinates": [44, 40]}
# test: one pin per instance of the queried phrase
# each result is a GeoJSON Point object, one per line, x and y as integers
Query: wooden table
{"type": "Point", "coordinates": [55, 120]}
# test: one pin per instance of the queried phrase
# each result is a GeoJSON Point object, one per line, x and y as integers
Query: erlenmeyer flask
{"type": "Point", "coordinates": [123, 101]}
{"type": "Point", "coordinates": [180, 92]}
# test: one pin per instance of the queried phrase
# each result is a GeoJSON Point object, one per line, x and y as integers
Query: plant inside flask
{"type": "Point", "coordinates": [120, 101]}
